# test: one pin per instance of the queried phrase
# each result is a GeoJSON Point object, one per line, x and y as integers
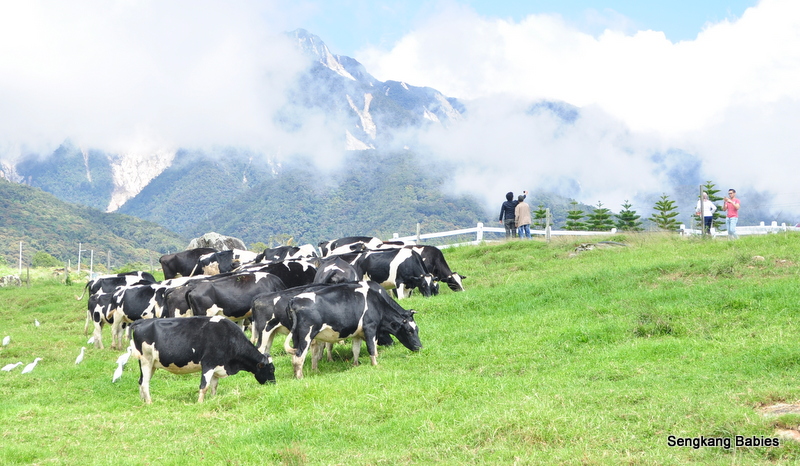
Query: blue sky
{"type": "Point", "coordinates": [350, 25]}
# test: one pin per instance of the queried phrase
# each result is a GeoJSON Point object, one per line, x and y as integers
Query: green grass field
{"type": "Point", "coordinates": [549, 357]}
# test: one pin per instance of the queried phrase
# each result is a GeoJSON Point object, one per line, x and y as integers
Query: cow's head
{"type": "Point", "coordinates": [265, 371]}
{"type": "Point", "coordinates": [428, 285]}
{"type": "Point", "coordinates": [455, 283]}
{"type": "Point", "coordinates": [405, 329]}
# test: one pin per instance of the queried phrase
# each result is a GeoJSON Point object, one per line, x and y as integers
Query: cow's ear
{"type": "Point", "coordinates": [260, 365]}
{"type": "Point", "coordinates": [412, 311]}
{"type": "Point", "coordinates": [462, 276]}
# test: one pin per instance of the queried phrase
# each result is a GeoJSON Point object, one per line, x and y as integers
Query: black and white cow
{"type": "Point", "coordinates": [232, 296]}
{"type": "Point", "coordinates": [109, 283]}
{"type": "Point", "coordinates": [335, 269]}
{"type": "Point", "coordinates": [182, 263]}
{"type": "Point", "coordinates": [348, 244]}
{"type": "Point", "coordinates": [271, 315]}
{"type": "Point", "coordinates": [357, 310]}
{"type": "Point", "coordinates": [435, 263]}
{"type": "Point", "coordinates": [214, 346]}
{"type": "Point", "coordinates": [223, 261]}
{"type": "Point", "coordinates": [282, 253]}
{"type": "Point", "coordinates": [400, 269]}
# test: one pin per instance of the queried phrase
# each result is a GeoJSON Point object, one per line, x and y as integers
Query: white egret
{"type": "Point", "coordinates": [36, 322]}
{"type": "Point", "coordinates": [80, 356]}
{"type": "Point", "coordinates": [90, 341]}
{"type": "Point", "coordinates": [10, 367]}
{"type": "Point", "coordinates": [30, 366]}
{"type": "Point", "coordinates": [6, 340]}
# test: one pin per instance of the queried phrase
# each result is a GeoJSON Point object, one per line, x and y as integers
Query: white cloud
{"type": "Point", "coordinates": [730, 99]}
{"type": "Point", "coordinates": [116, 74]}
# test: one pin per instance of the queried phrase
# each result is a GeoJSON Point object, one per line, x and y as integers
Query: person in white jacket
{"type": "Point", "coordinates": [707, 208]}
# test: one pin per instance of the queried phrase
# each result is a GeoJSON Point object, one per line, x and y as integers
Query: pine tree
{"type": "Point", "coordinates": [539, 217]}
{"type": "Point", "coordinates": [600, 219]}
{"type": "Point", "coordinates": [575, 217]}
{"type": "Point", "coordinates": [665, 213]}
{"type": "Point", "coordinates": [627, 220]}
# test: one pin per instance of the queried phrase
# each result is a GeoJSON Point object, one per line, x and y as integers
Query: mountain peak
{"type": "Point", "coordinates": [313, 46]}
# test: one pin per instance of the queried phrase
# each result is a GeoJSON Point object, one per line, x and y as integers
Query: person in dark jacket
{"type": "Point", "coordinates": [507, 213]}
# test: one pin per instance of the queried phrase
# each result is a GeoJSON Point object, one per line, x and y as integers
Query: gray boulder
{"type": "Point", "coordinates": [217, 241]}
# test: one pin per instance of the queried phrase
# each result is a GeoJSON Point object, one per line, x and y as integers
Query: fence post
{"type": "Point", "coordinates": [417, 232]}
{"type": "Point", "coordinates": [547, 228]}
{"type": "Point", "coordinates": [479, 233]}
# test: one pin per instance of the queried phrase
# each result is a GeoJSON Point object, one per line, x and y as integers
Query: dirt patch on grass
{"type": "Point", "coordinates": [782, 430]}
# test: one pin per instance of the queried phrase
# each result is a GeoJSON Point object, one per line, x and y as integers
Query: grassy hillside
{"type": "Point", "coordinates": [43, 223]}
{"type": "Point", "coordinates": [549, 357]}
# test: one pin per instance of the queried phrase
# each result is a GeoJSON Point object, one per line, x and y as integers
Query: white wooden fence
{"type": "Point", "coordinates": [479, 231]}
{"type": "Point", "coordinates": [760, 229]}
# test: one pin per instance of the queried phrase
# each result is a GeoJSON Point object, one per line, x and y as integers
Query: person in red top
{"type": "Point", "coordinates": [731, 207]}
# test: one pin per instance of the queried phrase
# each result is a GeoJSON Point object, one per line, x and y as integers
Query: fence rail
{"type": "Point", "coordinates": [761, 229]}
{"type": "Point", "coordinates": [480, 230]}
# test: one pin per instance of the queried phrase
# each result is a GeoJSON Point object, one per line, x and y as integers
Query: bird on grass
{"type": "Point", "coordinates": [6, 340]}
{"type": "Point", "coordinates": [10, 367]}
{"type": "Point", "coordinates": [79, 359]}
{"type": "Point", "coordinates": [30, 366]}
{"type": "Point", "coordinates": [90, 341]}
{"type": "Point", "coordinates": [121, 361]}
{"type": "Point", "coordinates": [36, 322]}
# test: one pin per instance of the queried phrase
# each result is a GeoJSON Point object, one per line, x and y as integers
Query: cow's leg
{"type": "Point", "coordinates": [205, 382]}
{"type": "Point", "coordinates": [98, 335]}
{"type": "Point", "coordinates": [401, 291]}
{"type": "Point", "coordinates": [116, 331]}
{"type": "Point", "coordinates": [300, 352]}
{"type": "Point", "coordinates": [214, 382]}
{"type": "Point", "coordinates": [372, 348]}
{"type": "Point", "coordinates": [145, 374]}
{"type": "Point", "coordinates": [316, 354]}
{"type": "Point", "coordinates": [356, 350]}
{"type": "Point", "coordinates": [329, 347]}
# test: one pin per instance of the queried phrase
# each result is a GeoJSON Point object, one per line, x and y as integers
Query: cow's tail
{"type": "Point", "coordinates": [88, 319]}
{"type": "Point", "coordinates": [286, 347]}
{"type": "Point", "coordinates": [84, 291]}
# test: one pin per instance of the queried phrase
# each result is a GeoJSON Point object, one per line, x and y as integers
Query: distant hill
{"type": "Point", "coordinates": [44, 223]}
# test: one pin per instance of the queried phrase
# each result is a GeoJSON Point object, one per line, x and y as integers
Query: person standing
{"type": "Point", "coordinates": [731, 207]}
{"type": "Point", "coordinates": [507, 214]}
{"type": "Point", "coordinates": [707, 209]}
{"type": "Point", "coordinates": [522, 218]}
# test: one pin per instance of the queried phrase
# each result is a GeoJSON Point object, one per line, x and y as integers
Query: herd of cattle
{"type": "Point", "coordinates": [187, 322]}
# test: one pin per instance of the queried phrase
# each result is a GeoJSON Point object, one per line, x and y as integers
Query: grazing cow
{"type": "Point", "coordinates": [335, 269]}
{"type": "Point", "coordinates": [109, 283]}
{"type": "Point", "coordinates": [271, 315]}
{"type": "Point", "coordinates": [282, 253]}
{"type": "Point", "coordinates": [435, 263]}
{"type": "Point", "coordinates": [214, 346]}
{"type": "Point", "coordinates": [223, 261]}
{"type": "Point", "coordinates": [357, 310]}
{"type": "Point", "coordinates": [401, 269]}
{"type": "Point", "coordinates": [182, 263]}
{"type": "Point", "coordinates": [348, 244]}
{"type": "Point", "coordinates": [231, 296]}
